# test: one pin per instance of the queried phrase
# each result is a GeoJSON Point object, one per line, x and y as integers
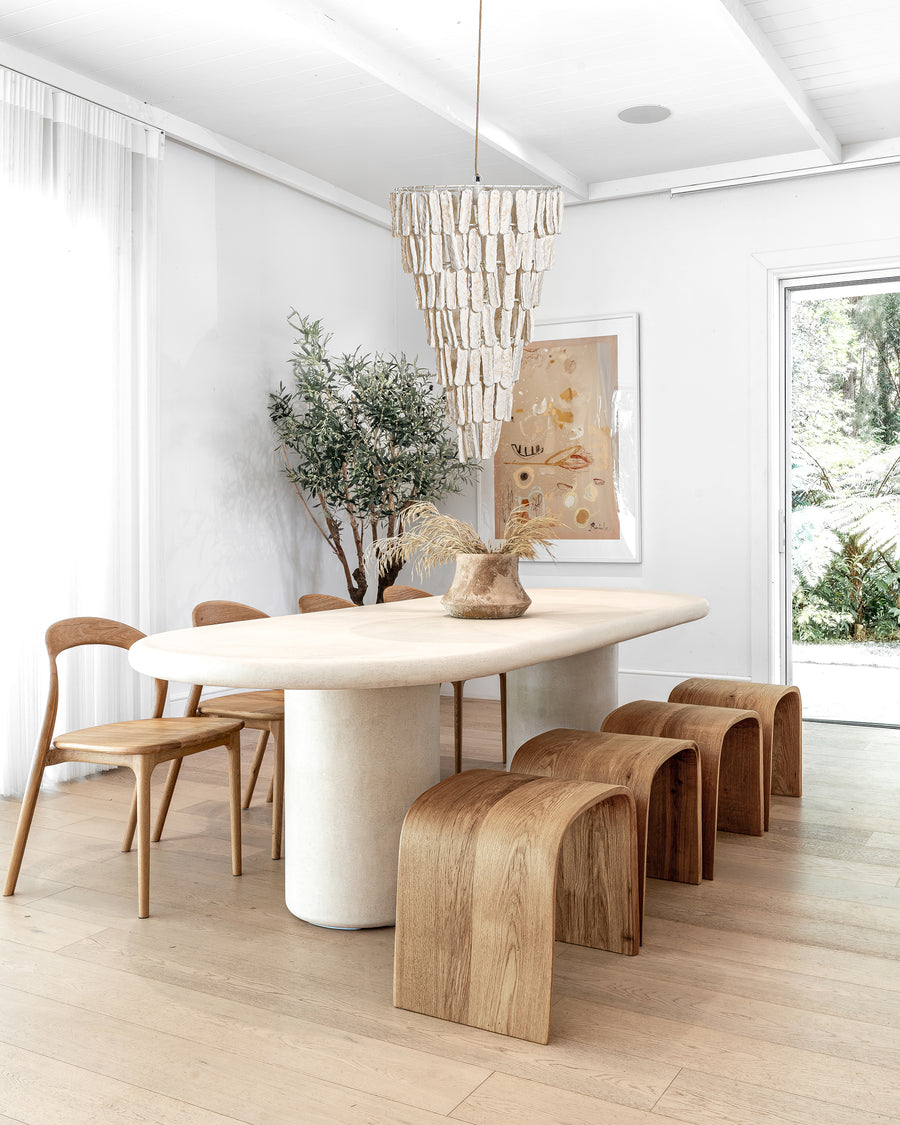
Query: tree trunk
{"type": "Point", "coordinates": [387, 579]}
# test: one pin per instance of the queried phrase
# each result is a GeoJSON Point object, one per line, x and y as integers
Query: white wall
{"type": "Point", "coordinates": [690, 267]}
{"type": "Point", "coordinates": [237, 252]}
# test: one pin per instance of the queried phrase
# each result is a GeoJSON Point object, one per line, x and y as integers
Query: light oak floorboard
{"type": "Point", "coordinates": [211, 1077]}
{"type": "Point", "coordinates": [707, 1100]}
{"type": "Point", "coordinates": [34, 1087]}
{"type": "Point", "coordinates": [504, 1098]}
{"type": "Point", "coordinates": [413, 1076]}
{"type": "Point", "coordinates": [652, 992]}
{"type": "Point", "coordinates": [768, 996]}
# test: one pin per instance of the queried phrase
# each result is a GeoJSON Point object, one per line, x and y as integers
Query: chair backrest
{"type": "Point", "coordinates": [404, 593]}
{"type": "Point", "coordinates": [73, 632]}
{"type": "Point", "coordinates": [216, 613]}
{"type": "Point", "coordinates": [315, 603]}
{"type": "Point", "coordinates": [219, 612]}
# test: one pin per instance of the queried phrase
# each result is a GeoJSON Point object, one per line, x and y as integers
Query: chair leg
{"type": "Point", "coordinates": [278, 791]}
{"type": "Point", "coordinates": [503, 715]}
{"type": "Point", "coordinates": [254, 769]}
{"type": "Point", "coordinates": [165, 801]}
{"type": "Point", "coordinates": [457, 724]}
{"type": "Point", "coordinates": [142, 771]}
{"type": "Point", "coordinates": [131, 824]}
{"type": "Point", "coordinates": [26, 813]}
{"type": "Point", "coordinates": [234, 785]}
{"type": "Point", "coordinates": [270, 796]}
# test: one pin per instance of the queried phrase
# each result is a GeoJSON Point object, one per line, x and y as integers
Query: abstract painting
{"type": "Point", "coordinates": [571, 448]}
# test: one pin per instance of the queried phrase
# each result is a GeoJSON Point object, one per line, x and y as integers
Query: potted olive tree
{"type": "Point", "coordinates": [363, 437]}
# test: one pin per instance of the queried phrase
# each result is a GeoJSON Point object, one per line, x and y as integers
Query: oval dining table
{"type": "Point", "coordinates": [362, 712]}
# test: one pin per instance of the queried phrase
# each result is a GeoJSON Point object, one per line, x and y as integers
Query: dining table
{"type": "Point", "coordinates": [362, 711]}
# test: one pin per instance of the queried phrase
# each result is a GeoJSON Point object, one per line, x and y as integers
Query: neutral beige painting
{"type": "Point", "coordinates": [557, 455]}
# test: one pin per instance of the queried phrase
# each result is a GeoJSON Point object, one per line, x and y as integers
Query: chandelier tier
{"type": "Point", "coordinates": [478, 256]}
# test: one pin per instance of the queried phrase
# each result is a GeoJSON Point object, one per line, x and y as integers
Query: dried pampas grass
{"type": "Point", "coordinates": [434, 539]}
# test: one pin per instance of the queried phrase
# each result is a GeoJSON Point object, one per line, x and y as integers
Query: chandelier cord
{"type": "Point", "coordinates": [478, 93]}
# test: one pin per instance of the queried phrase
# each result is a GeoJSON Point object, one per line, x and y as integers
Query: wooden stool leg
{"type": "Point", "coordinates": [741, 802]}
{"type": "Point", "coordinates": [674, 849]}
{"type": "Point", "coordinates": [516, 887]}
{"type": "Point", "coordinates": [163, 811]}
{"type": "Point", "coordinates": [233, 747]}
{"type": "Point", "coordinates": [254, 769]}
{"type": "Point", "coordinates": [787, 739]}
{"type": "Point", "coordinates": [278, 791]}
{"type": "Point", "coordinates": [599, 881]}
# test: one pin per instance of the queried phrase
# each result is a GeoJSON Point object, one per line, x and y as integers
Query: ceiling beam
{"type": "Point", "coordinates": [782, 79]}
{"type": "Point", "coordinates": [191, 134]}
{"type": "Point", "coordinates": [395, 71]}
{"type": "Point", "coordinates": [738, 173]}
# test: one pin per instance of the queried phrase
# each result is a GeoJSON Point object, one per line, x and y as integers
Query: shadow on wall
{"type": "Point", "coordinates": [240, 532]}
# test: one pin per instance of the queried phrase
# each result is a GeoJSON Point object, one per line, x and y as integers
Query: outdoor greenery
{"type": "Point", "coordinates": [846, 468]}
{"type": "Point", "coordinates": [363, 437]}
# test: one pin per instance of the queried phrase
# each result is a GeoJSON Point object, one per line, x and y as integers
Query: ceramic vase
{"type": "Point", "coordinates": [486, 586]}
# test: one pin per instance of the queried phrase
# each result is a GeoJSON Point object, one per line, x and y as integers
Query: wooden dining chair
{"type": "Point", "coordinates": [315, 603]}
{"type": "Point", "coordinates": [407, 593]}
{"type": "Point", "coordinates": [139, 744]}
{"type": "Point", "coordinates": [257, 710]}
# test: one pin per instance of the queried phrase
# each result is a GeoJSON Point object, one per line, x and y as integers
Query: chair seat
{"type": "Point", "coordinates": [246, 705]}
{"type": "Point", "coordinates": [147, 736]}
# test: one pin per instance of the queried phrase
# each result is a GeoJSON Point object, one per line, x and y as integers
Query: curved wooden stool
{"type": "Point", "coordinates": [662, 773]}
{"type": "Point", "coordinates": [493, 866]}
{"type": "Point", "coordinates": [730, 745]}
{"type": "Point", "coordinates": [781, 717]}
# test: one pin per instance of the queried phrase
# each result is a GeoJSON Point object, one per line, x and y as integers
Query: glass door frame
{"type": "Point", "coordinates": [844, 282]}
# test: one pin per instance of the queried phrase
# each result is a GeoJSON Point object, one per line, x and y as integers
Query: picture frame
{"type": "Point", "coordinates": [588, 471]}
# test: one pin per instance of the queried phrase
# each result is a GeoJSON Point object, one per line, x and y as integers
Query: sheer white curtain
{"type": "Point", "coordinates": [78, 199]}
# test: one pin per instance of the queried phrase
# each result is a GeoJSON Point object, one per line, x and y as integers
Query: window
{"type": "Point", "coordinates": [77, 377]}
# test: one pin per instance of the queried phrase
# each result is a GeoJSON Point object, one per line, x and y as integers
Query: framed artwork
{"type": "Point", "coordinates": [572, 447]}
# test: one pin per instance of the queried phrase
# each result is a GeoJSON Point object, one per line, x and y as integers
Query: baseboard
{"type": "Point", "coordinates": [649, 683]}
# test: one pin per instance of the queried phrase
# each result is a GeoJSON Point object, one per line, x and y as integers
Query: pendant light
{"type": "Point", "coordinates": [478, 256]}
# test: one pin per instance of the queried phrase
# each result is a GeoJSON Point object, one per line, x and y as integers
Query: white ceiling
{"type": "Point", "coordinates": [369, 95]}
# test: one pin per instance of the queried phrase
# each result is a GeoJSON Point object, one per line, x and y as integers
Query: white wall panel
{"type": "Point", "coordinates": [237, 252]}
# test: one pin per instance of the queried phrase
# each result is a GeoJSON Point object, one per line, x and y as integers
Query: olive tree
{"type": "Point", "coordinates": [363, 437]}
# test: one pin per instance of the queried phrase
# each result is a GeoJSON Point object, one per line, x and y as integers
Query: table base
{"type": "Point", "coordinates": [355, 760]}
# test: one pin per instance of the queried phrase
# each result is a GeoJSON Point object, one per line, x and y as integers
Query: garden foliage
{"type": "Point", "coordinates": [846, 468]}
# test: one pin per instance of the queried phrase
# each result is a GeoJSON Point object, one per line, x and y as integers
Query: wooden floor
{"type": "Point", "coordinates": [770, 995]}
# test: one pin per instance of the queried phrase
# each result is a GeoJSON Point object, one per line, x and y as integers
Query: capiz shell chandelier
{"type": "Point", "coordinates": [478, 256]}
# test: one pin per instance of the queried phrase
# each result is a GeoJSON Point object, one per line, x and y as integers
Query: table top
{"type": "Point", "coordinates": [404, 644]}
